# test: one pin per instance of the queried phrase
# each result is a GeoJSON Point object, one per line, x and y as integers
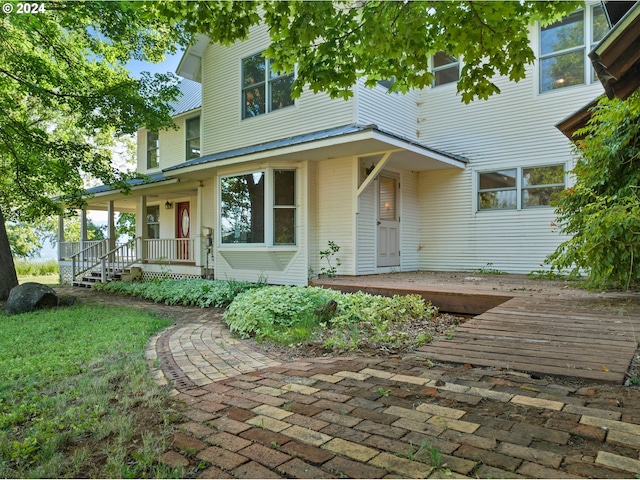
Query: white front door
{"type": "Point", "coordinates": [388, 221]}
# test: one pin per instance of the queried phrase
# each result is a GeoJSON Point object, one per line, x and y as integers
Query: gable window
{"type": "Point", "coordinates": [446, 69]}
{"type": "Point", "coordinates": [153, 148]}
{"type": "Point", "coordinates": [263, 89]}
{"type": "Point", "coordinates": [245, 201]}
{"type": "Point", "coordinates": [153, 221]}
{"type": "Point", "coordinates": [518, 188]}
{"type": "Point", "coordinates": [564, 46]}
{"type": "Point", "coordinates": [193, 137]}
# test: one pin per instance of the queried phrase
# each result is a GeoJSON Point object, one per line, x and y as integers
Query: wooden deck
{"type": "Point", "coordinates": [584, 337]}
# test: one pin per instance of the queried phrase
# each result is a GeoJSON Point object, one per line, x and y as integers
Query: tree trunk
{"type": "Point", "coordinates": [8, 277]}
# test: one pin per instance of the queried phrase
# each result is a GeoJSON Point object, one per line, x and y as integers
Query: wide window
{"type": "Point", "coordinates": [518, 188]}
{"type": "Point", "coordinates": [564, 46]}
{"type": "Point", "coordinates": [153, 221]}
{"type": "Point", "coordinates": [193, 137]}
{"type": "Point", "coordinates": [263, 89]}
{"type": "Point", "coordinates": [245, 201]}
{"type": "Point", "coordinates": [153, 148]}
{"type": "Point", "coordinates": [446, 69]}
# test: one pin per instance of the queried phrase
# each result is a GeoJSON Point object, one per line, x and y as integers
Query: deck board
{"type": "Point", "coordinates": [538, 334]}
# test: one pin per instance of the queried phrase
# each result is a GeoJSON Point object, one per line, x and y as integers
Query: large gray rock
{"type": "Point", "coordinates": [30, 296]}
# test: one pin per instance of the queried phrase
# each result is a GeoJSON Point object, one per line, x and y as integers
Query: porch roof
{"type": "Point", "coordinates": [354, 135]}
{"type": "Point", "coordinates": [134, 182]}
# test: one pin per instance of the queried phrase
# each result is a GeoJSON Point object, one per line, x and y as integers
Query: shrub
{"type": "Point", "coordinates": [268, 313]}
{"type": "Point", "coordinates": [292, 314]}
{"type": "Point", "coordinates": [197, 292]}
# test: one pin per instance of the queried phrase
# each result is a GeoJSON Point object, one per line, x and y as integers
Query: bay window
{"type": "Point", "coordinates": [246, 201]}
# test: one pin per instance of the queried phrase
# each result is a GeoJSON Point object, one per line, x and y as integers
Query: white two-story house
{"type": "Point", "coordinates": [254, 184]}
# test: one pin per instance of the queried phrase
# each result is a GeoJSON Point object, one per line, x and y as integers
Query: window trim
{"type": "Point", "coordinates": [156, 149]}
{"type": "Point", "coordinates": [520, 188]}
{"type": "Point", "coordinates": [188, 139]}
{"type": "Point", "coordinates": [267, 82]}
{"type": "Point", "coordinates": [269, 208]}
{"type": "Point", "coordinates": [155, 207]}
{"type": "Point", "coordinates": [588, 76]}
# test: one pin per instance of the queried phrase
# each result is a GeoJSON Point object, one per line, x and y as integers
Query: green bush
{"type": "Point", "coordinates": [201, 293]}
{"type": "Point", "coordinates": [292, 314]}
{"type": "Point", "coordinates": [277, 312]}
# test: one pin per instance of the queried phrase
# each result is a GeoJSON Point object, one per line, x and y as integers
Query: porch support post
{"type": "Point", "coordinates": [83, 228]}
{"type": "Point", "coordinates": [141, 227]}
{"type": "Point", "coordinates": [111, 227]}
{"type": "Point", "coordinates": [61, 246]}
{"type": "Point", "coordinates": [198, 244]}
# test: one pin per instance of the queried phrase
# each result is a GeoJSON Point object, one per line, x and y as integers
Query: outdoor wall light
{"type": "Point", "coordinates": [168, 205]}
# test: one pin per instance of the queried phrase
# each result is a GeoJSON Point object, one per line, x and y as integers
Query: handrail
{"type": "Point", "coordinates": [118, 259]}
{"type": "Point", "coordinates": [88, 258]}
{"type": "Point", "coordinates": [170, 249]}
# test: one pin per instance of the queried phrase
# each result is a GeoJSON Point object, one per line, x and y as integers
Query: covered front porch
{"type": "Point", "coordinates": [170, 239]}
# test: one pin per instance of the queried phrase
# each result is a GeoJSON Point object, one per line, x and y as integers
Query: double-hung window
{"type": "Point", "coordinates": [564, 46]}
{"type": "Point", "coordinates": [519, 188]}
{"type": "Point", "coordinates": [446, 69]}
{"type": "Point", "coordinates": [258, 208]}
{"type": "Point", "coordinates": [192, 137]}
{"type": "Point", "coordinates": [153, 148]}
{"type": "Point", "coordinates": [263, 88]}
{"type": "Point", "coordinates": [153, 221]}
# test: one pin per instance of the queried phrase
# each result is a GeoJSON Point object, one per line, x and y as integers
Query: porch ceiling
{"type": "Point", "coordinates": [350, 140]}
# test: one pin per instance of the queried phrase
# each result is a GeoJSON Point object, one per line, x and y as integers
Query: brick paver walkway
{"type": "Point", "coordinates": [253, 417]}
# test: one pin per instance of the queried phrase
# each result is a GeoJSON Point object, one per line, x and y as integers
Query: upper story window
{"type": "Point", "coordinates": [518, 188]}
{"type": "Point", "coordinates": [564, 46]}
{"type": "Point", "coordinates": [193, 137]}
{"type": "Point", "coordinates": [446, 69]}
{"type": "Point", "coordinates": [153, 148]}
{"type": "Point", "coordinates": [245, 202]}
{"type": "Point", "coordinates": [263, 89]}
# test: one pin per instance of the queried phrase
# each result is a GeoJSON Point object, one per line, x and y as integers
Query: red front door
{"type": "Point", "coordinates": [183, 227]}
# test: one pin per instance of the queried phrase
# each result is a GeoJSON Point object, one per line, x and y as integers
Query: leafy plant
{"type": "Point", "coordinates": [196, 292]}
{"type": "Point", "coordinates": [329, 256]}
{"type": "Point", "coordinates": [383, 392]}
{"type": "Point", "coordinates": [601, 211]}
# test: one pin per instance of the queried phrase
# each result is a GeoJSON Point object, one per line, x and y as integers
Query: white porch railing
{"type": "Point", "coordinates": [117, 260]}
{"type": "Point", "coordinates": [170, 249]}
{"type": "Point", "coordinates": [69, 249]}
{"type": "Point", "coordinates": [88, 258]}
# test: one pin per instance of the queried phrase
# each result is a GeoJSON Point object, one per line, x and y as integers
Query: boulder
{"type": "Point", "coordinates": [30, 296]}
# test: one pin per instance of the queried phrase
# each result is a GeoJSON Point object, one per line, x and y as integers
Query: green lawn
{"type": "Point", "coordinates": [76, 397]}
{"type": "Point", "coordinates": [53, 280]}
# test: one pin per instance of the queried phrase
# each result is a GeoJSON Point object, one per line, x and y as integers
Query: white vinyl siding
{"type": "Point", "coordinates": [512, 129]}
{"type": "Point", "coordinates": [392, 112]}
{"type": "Point", "coordinates": [409, 221]}
{"type": "Point", "coordinates": [335, 213]}
{"type": "Point", "coordinates": [224, 129]}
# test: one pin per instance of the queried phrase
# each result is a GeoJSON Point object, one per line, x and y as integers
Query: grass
{"type": "Point", "coordinates": [45, 271]}
{"type": "Point", "coordinates": [76, 397]}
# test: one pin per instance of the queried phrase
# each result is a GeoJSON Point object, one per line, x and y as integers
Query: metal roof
{"type": "Point", "coordinates": [304, 138]}
{"type": "Point", "coordinates": [134, 182]}
{"type": "Point", "coordinates": [190, 98]}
